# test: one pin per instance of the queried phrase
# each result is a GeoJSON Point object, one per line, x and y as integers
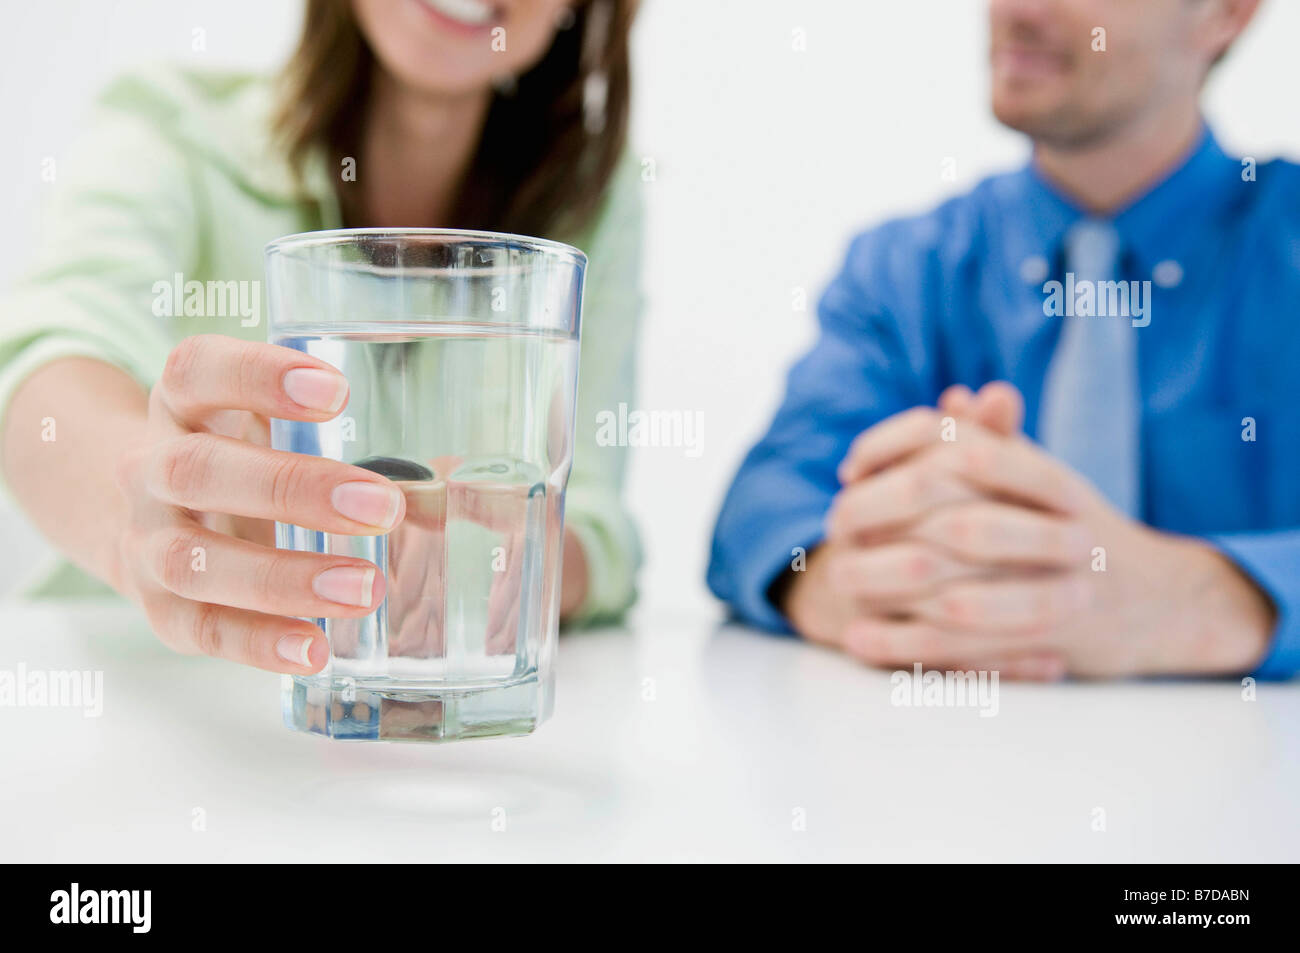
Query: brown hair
{"type": "Point", "coordinates": [541, 165]}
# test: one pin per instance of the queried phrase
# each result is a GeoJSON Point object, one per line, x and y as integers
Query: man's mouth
{"type": "Point", "coordinates": [472, 14]}
{"type": "Point", "coordinates": [1028, 62]}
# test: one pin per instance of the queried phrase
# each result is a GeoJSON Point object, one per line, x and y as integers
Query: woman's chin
{"type": "Point", "coordinates": [440, 87]}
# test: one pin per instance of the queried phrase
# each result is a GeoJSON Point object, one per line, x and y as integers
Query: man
{"type": "Point", "coordinates": [1124, 498]}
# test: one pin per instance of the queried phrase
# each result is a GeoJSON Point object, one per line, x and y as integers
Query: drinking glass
{"type": "Point", "coordinates": [461, 351]}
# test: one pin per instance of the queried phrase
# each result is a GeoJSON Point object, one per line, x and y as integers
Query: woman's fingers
{"type": "Point", "coordinates": [274, 643]}
{"type": "Point", "coordinates": [504, 598]}
{"type": "Point", "coordinates": [196, 563]}
{"type": "Point", "coordinates": [210, 373]}
{"type": "Point", "coordinates": [211, 473]}
{"type": "Point", "coordinates": [416, 557]}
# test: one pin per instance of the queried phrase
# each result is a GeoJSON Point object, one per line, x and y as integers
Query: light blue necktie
{"type": "Point", "coordinates": [1089, 415]}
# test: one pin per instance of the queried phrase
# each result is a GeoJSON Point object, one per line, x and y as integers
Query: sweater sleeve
{"type": "Point", "coordinates": [594, 509]}
{"type": "Point", "coordinates": [120, 219]}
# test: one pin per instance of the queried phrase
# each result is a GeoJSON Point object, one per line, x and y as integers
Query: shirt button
{"type": "Point", "coordinates": [1033, 269]}
{"type": "Point", "coordinates": [1167, 274]}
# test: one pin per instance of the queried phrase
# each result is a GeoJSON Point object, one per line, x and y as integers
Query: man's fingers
{"type": "Point", "coordinates": [1024, 605]}
{"type": "Point", "coordinates": [976, 466]}
{"type": "Point", "coordinates": [207, 373]}
{"type": "Point", "coordinates": [1010, 467]}
{"type": "Point", "coordinates": [894, 571]}
{"type": "Point", "coordinates": [216, 474]}
{"type": "Point", "coordinates": [956, 400]}
{"type": "Point", "coordinates": [274, 643]}
{"type": "Point", "coordinates": [889, 441]}
{"type": "Point", "coordinates": [999, 407]}
{"type": "Point", "coordinates": [1004, 534]}
{"type": "Point", "coordinates": [902, 643]}
{"type": "Point", "coordinates": [894, 498]}
{"type": "Point", "coordinates": [1037, 667]}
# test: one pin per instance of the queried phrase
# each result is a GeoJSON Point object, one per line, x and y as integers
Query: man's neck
{"type": "Point", "coordinates": [415, 152]}
{"type": "Point", "coordinates": [1107, 174]}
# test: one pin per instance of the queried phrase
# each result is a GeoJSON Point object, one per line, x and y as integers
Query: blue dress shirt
{"type": "Point", "coordinates": [957, 296]}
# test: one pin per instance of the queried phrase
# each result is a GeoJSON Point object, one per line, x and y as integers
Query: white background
{"type": "Point", "coordinates": [766, 161]}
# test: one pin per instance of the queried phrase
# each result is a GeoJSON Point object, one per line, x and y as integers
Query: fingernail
{"type": "Point", "coordinates": [294, 649]}
{"type": "Point", "coordinates": [316, 389]}
{"type": "Point", "coordinates": [371, 503]}
{"type": "Point", "coordinates": [347, 585]}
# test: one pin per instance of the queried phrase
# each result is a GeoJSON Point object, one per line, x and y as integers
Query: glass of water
{"type": "Point", "coordinates": [461, 350]}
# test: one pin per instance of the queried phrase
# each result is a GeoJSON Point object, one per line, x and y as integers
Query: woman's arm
{"type": "Point", "coordinates": [64, 432]}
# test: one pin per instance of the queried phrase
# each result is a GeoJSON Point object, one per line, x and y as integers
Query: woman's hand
{"type": "Point", "coordinates": [203, 490]}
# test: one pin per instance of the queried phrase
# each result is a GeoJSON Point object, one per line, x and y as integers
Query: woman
{"type": "Point", "coordinates": [134, 431]}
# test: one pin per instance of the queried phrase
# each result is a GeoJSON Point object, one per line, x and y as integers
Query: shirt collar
{"type": "Point", "coordinates": [1163, 224]}
{"type": "Point", "coordinates": [1173, 216]}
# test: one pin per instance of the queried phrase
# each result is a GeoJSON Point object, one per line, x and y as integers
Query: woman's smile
{"type": "Point", "coordinates": [466, 15]}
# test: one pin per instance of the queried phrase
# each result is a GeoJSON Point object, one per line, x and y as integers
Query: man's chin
{"type": "Point", "coordinates": [1039, 121]}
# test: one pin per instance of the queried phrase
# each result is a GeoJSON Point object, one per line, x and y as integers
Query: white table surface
{"type": "Point", "coordinates": [674, 739]}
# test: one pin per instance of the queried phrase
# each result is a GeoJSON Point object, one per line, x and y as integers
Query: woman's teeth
{"type": "Point", "coordinates": [469, 12]}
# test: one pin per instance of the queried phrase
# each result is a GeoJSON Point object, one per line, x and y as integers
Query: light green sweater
{"type": "Point", "coordinates": [178, 175]}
